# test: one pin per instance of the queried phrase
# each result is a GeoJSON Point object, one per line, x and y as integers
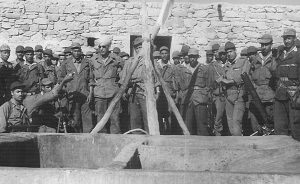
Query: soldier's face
{"type": "Point", "coordinates": [176, 60]}
{"type": "Point", "coordinates": [39, 54]}
{"type": "Point", "coordinates": [186, 59]}
{"type": "Point", "coordinates": [181, 59]}
{"type": "Point", "coordinates": [231, 54]}
{"type": "Point", "coordinates": [54, 61]}
{"type": "Point", "coordinates": [5, 55]}
{"type": "Point", "coordinates": [29, 57]}
{"type": "Point", "coordinates": [266, 48]}
{"type": "Point", "coordinates": [20, 55]}
{"type": "Point", "coordinates": [138, 48]}
{"type": "Point", "coordinates": [164, 55]}
{"type": "Point", "coordinates": [223, 56]}
{"type": "Point", "coordinates": [209, 58]}
{"type": "Point", "coordinates": [156, 58]}
{"type": "Point", "coordinates": [76, 52]}
{"type": "Point", "coordinates": [68, 55]}
{"type": "Point", "coordinates": [193, 60]}
{"type": "Point", "coordinates": [47, 58]}
{"type": "Point", "coordinates": [47, 88]}
{"type": "Point", "coordinates": [103, 49]}
{"type": "Point", "coordinates": [17, 94]}
{"type": "Point", "coordinates": [61, 59]}
{"type": "Point", "coordinates": [289, 41]}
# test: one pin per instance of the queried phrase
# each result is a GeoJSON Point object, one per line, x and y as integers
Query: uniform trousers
{"type": "Point", "coordinates": [234, 112]}
{"type": "Point", "coordinates": [138, 112]}
{"type": "Point", "coordinates": [286, 118]}
{"type": "Point", "coordinates": [101, 105]}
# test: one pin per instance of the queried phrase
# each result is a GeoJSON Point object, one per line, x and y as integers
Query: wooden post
{"type": "Point", "coordinates": [152, 116]}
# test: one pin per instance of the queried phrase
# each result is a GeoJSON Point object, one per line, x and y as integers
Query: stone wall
{"type": "Point", "coordinates": [56, 24]}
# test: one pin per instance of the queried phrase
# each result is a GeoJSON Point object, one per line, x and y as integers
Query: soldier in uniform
{"type": "Point", "coordinates": [12, 112]}
{"type": "Point", "coordinates": [68, 52]}
{"type": "Point", "coordinates": [167, 71]}
{"type": "Point", "coordinates": [215, 49]}
{"type": "Point", "coordinates": [6, 73]}
{"type": "Point", "coordinates": [50, 71]}
{"type": "Point", "coordinates": [156, 56]}
{"type": "Point", "coordinates": [196, 98]}
{"type": "Point", "coordinates": [79, 89]}
{"type": "Point", "coordinates": [137, 99]}
{"type": "Point", "coordinates": [38, 54]}
{"type": "Point", "coordinates": [30, 73]}
{"type": "Point", "coordinates": [216, 70]}
{"type": "Point", "coordinates": [19, 54]}
{"type": "Point", "coordinates": [209, 56]}
{"type": "Point", "coordinates": [104, 66]}
{"type": "Point", "coordinates": [286, 111]}
{"type": "Point", "coordinates": [261, 76]}
{"type": "Point", "coordinates": [175, 57]}
{"type": "Point", "coordinates": [235, 98]}
{"type": "Point", "coordinates": [116, 51]}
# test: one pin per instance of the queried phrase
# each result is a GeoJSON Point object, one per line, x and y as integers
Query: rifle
{"type": "Point", "coordinates": [263, 129]}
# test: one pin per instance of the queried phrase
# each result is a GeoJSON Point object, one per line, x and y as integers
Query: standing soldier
{"type": "Point", "coordinates": [137, 99]}
{"type": "Point", "coordinates": [286, 108]}
{"type": "Point", "coordinates": [195, 109]}
{"type": "Point", "coordinates": [175, 57]}
{"type": "Point", "coordinates": [217, 70]}
{"type": "Point", "coordinates": [105, 72]}
{"type": "Point", "coordinates": [167, 71]}
{"type": "Point", "coordinates": [50, 71]}
{"type": "Point", "coordinates": [235, 99]}
{"type": "Point", "coordinates": [30, 73]}
{"type": "Point", "coordinates": [156, 56]}
{"type": "Point", "coordinates": [215, 49]}
{"type": "Point", "coordinates": [20, 55]}
{"type": "Point", "coordinates": [261, 76]}
{"type": "Point", "coordinates": [79, 89]}
{"type": "Point", "coordinates": [68, 52]}
{"type": "Point", "coordinates": [38, 54]}
{"type": "Point", "coordinates": [6, 73]}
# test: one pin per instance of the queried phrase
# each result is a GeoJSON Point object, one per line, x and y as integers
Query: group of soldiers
{"type": "Point", "coordinates": [44, 90]}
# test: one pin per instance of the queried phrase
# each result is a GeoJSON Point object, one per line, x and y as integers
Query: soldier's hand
{"type": "Point", "coordinates": [219, 79]}
{"type": "Point", "coordinates": [68, 77]}
{"type": "Point", "coordinates": [89, 98]}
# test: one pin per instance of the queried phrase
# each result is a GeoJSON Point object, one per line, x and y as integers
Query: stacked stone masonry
{"type": "Point", "coordinates": [56, 24]}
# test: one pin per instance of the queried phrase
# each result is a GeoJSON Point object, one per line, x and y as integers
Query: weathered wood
{"type": "Point", "coordinates": [152, 116]}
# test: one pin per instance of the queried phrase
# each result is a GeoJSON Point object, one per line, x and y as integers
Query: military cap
{"type": "Point", "coordinates": [104, 40]}
{"type": "Point", "coordinates": [28, 49]}
{"type": "Point", "coordinates": [75, 45]}
{"type": "Point", "coordinates": [193, 51]}
{"type": "Point", "coordinates": [289, 32]}
{"type": "Point", "coordinates": [89, 53]}
{"type": "Point", "coordinates": [156, 54]}
{"type": "Point", "coordinates": [46, 81]}
{"type": "Point", "coordinates": [116, 50]}
{"type": "Point", "coordinates": [209, 52]}
{"type": "Point", "coordinates": [123, 54]}
{"type": "Point", "coordinates": [266, 38]}
{"type": "Point", "coordinates": [251, 50]}
{"type": "Point", "coordinates": [244, 52]}
{"type": "Point", "coordinates": [185, 49]}
{"type": "Point", "coordinates": [297, 43]}
{"type": "Point", "coordinates": [163, 48]}
{"type": "Point", "coordinates": [229, 45]}
{"type": "Point", "coordinates": [19, 48]}
{"type": "Point", "coordinates": [55, 56]}
{"type": "Point", "coordinates": [61, 54]}
{"type": "Point", "coordinates": [67, 50]}
{"type": "Point", "coordinates": [215, 47]}
{"type": "Point", "coordinates": [137, 41]}
{"type": "Point", "coordinates": [4, 47]}
{"type": "Point", "coordinates": [222, 49]}
{"type": "Point", "coordinates": [16, 85]}
{"type": "Point", "coordinates": [38, 48]}
{"type": "Point", "coordinates": [175, 54]}
{"type": "Point", "coordinates": [48, 52]}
